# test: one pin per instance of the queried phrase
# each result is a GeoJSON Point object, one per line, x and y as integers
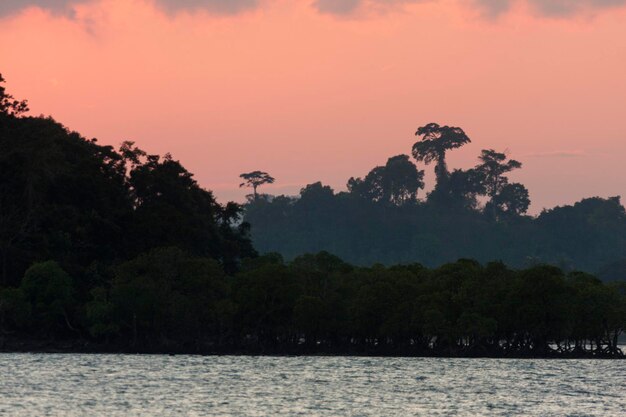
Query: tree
{"type": "Point", "coordinates": [512, 200]}
{"type": "Point", "coordinates": [494, 166]}
{"type": "Point", "coordinates": [171, 209]}
{"type": "Point", "coordinates": [396, 183]}
{"type": "Point", "coordinates": [403, 180]}
{"type": "Point", "coordinates": [255, 179]}
{"type": "Point", "coordinates": [503, 197]}
{"type": "Point", "coordinates": [463, 186]}
{"type": "Point", "coordinates": [436, 141]}
{"type": "Point", "coordinates": [371, 187]}
{"type": "Point", "coordinates": [316, 193]}
{"type": "Point", "coordinates": [49, 289]}
{"type": "Point", "coordinates": [168, 293]}
{"type": "Point", "coordinates": [8, 104]}
{"type": "Point", "coordinates": [62, 197]}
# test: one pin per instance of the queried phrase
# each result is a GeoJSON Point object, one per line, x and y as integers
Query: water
{"type": "Point", "coordinates": [159, 385]}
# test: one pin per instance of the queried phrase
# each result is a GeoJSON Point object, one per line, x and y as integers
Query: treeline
{"type": "Point", "coordinates": [88, 206]}
{"type": "Point", "coordinates": [105, 249]}
{"type": "Point", "coordinates": [168, 301]}
{"type": "Point", "coordinates": [476, 213]}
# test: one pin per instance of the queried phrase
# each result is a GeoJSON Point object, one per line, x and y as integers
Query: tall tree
{"type": "Point", "coordinates": [504, 197]}
{"type": "Point", "coordinates": [493, 167]}
{"type": "Point", "coordinates": [436, 141]}
{"type": "Point", "coordinates": [255, 179]}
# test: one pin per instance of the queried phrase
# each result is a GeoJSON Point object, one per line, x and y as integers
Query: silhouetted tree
{"type": "Point", "coordinates": [493, 167]}
{"type": "Point", "coordinates": [402, 180]}
{"type": "Point", "coordinates": [8, 104]}
{"type": "Point", "coordinates": [463, 187]}
{"type": "Point", "coordinates": [142, 258]}
{"type": "Point", "coordinates": [69, 199]}
{"type": "Point", "coordinates": [371, 187]}
{"type": "Point", "coordinates": [436, 141]}
{"type": "Point", "coordinates": [316, 193]}
{"type": "Point", "coordinates": [396, 183]}
{"type": "Point", "coordinates": [171, 209]}
{"type": "Point", "coordinates": [512, 200]}
{"type": "Point", "coordinates": [255, 179]}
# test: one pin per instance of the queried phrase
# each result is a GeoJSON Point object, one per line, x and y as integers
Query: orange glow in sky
{"type": "Point", "coordinates": [309, 94]}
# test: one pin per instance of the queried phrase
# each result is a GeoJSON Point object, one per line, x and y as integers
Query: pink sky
{"type": "Point", "coordinates": [312, 95]}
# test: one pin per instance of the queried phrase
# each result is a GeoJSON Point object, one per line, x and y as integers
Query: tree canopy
{"type": "Point", "coordinates": [397, 183]}
{"type": "Point", "coordinates": [436, 141]}
{"type": "Point", "coordinates": [105, 249]}
{"type": "Point", "coordinates": [255, 179]}
{"type": "Point", "coordinates": [9, 105]}
{"type": "Point", "coordinates": [475, 213]}
{"type": "Point", "coordinates": [70, 199]}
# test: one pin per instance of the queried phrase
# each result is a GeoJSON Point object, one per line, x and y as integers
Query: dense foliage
{"type": "Point", "coordinates": [168, 300]}
{"type": "Point", "coordinates": [104, 249]}
{"type": "Point", "coordinates": [476, 213]}
{"type": "Point", "coordinates": [66, 198]}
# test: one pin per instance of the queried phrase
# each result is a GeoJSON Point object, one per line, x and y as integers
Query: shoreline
{"type": "Point", "coordinates": [84, 347]}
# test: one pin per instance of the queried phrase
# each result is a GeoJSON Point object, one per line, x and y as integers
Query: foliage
{"type": "Point", "coordinates": [469, 213]}
{"type": "Point", "coordinates": [123, 250]}
{"type": "Point", "coordinates": [49, 291]}
{"type": "Point", "coordinates": [167, 300]}
{"type": "Point", "coordinates": [255, 179]}
{"type": "Point", "coordinates": [8, 104]}
{"type": "Point", "coordinates": [396, 183]}
{"type": "Point", "coordinates": [505, 198]}
{"type": "Point", "coordinates": [67, 198]}
{"type": "Point", "coordinates": [436, 141]}
{"type": "Point", "coordinates": [166, 294]}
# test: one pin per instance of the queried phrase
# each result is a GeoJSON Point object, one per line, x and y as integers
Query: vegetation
{"type": "Point", "coordinates": [120, 250]}
{"type": "Point", "coordinates": [476, 213]}
{"type": "Point", "coordinates": [84, 205]}
{"type": "Point", "coordinates": [166, 300]}
{"type": "Point", "coordinates": [255, 179]}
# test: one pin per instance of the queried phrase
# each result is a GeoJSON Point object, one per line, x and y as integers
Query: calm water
{"type": "Point", "coordinates": [129, 385]}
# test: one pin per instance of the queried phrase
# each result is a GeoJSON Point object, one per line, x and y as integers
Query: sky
{"type": "Point", "coordinates": [322, 90]}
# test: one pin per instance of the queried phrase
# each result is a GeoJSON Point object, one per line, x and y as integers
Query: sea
{"type": "Point", "coordinates": [182, 385]}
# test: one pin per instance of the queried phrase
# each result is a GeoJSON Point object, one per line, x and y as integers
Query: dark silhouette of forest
{"type": "Point", "coordinates": [105, 249]}
{"type": "Point", "coordinates": [478, 213]}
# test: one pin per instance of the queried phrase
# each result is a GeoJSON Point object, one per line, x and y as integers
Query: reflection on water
{"type": "Point", "coordinates": [129, 385]}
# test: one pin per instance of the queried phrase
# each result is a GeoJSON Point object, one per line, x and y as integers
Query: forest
{"type": "Point", "coordinates": [386, 217]}
{"type": "Point", "coordinates": [119, 250]}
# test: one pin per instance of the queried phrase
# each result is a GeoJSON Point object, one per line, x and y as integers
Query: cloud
{"type": "Point", "coordinates": [8, 7]}
{"type": "Point", "coordinates": [339, 7]}
{"type": "Point", "coordinates": [334, 7]}
{"type": "Point", "coordinates": [549, 7]}
{"type": "Point", "coordinates": [213, 6]}
{"type": "Point", "coordinates": [347, 7]}
{"type": "Point", "coordinates": [12, 6]}
{"type": "Point", "coordinates": [492, 7]}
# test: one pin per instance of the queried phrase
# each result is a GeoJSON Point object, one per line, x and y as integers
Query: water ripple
{"type": "Point", "coordinates": [150, 385]}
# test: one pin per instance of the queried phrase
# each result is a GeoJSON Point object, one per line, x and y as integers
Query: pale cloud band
{"type": "Point", "coordinates": [492, 7]}
{"type": "Point", "coordinates": [62, 6]}
{"type": "Point", "coordinates": [550, 7]}
{"type": "Point", "coordinates": [333, 7]}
